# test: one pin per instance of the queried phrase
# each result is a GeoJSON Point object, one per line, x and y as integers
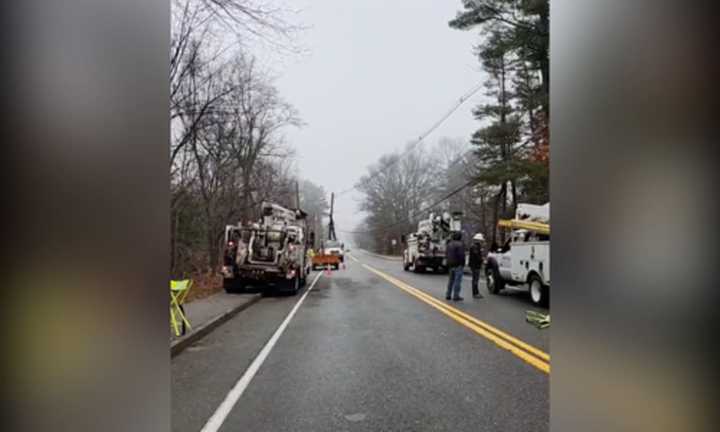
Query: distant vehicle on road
{"type": "Point", "coordinates": [525, 257]}
{"type": "Point", "coordinates": [331, 254]}
{"type": "Point", "coordinates": [426, 247]}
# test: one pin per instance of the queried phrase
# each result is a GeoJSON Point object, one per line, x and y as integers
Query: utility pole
{"type": "Point", "coordinates": [331, 224]}
{"type": "Point", "coordinates": [297, 195]}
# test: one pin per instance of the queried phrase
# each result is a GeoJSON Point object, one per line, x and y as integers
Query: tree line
{"type": "Point", "coordinates": [504, 162]}
{"type": "Point", "coordinates": [227, 149]}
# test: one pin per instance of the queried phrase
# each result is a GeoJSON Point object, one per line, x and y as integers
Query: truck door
{"type": "Point", "coordinates": [505, 261]}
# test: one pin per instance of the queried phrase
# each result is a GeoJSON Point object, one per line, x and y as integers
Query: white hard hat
{"type": "Point", "coordinates": [479, 237]}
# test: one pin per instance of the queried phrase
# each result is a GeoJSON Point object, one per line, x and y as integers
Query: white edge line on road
{"type": "Point", "coordinates": [221, 413]}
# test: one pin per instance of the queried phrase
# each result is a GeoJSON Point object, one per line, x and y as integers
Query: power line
{"type": "Point", "coordinates": [424, 135]}
{"type": "Point", "coordinates": [412, 215]}
{"type": "Point", "coordinates": [458, 160]}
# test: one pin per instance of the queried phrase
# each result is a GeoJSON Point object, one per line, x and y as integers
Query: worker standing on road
{"type": "Point", "coordinates": [475, 263]}
{"type": "Point", "coordinates": [455, 256]}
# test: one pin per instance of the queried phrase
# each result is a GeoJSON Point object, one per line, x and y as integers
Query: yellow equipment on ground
{"type": "Point", "coordinates": [178, 291]}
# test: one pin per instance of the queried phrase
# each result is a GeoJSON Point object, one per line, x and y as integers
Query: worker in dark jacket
{"type": "Point", "coordinates": [475, 262]}
{"type": "Point", "coordinates": [455, 255]}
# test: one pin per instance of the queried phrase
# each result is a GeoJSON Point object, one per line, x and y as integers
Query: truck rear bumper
{"type": "Point", "coordinates": [257, 273]}
{"type": "Point", "coordinates": [324, 260]}
{"type": "Point", "coordinates": [431, 261]}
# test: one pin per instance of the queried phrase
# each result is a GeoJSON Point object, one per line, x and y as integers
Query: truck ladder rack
{"type": "Point", "coordinates": [538, 227]}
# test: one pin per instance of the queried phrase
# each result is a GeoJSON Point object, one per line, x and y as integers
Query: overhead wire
{"type": "Point", "coordinates": [424, 135]}
{"type": "Point", "coordinates": [416, 213]}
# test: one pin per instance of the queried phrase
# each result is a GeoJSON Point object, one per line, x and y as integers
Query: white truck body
{"type": "Point", "coordinates": [271, 252]}
{"type": "Point", "coordinates": [426, 247]}
{"type": "Point", "coordinates": [335, 248]}
{"type": "Point", "coordinates": [536, 213]}
{"type": "Point", "coordinates": [524, 259]}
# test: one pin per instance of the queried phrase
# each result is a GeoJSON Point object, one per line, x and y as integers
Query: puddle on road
{"type": "Point", "coordinates": [355, 417]}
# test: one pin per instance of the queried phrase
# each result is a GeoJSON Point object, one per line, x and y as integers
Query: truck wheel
{"type": "Point", "coordinates": [538, 291]}
{"type": "Point", "coordinates": [416, 268]}
{"type": "Point", "coordinates": [295, 285]}
{"type": "Point", "coordinates": [494, 281]}
{"type": "Point", "coordinates": [406, 265]}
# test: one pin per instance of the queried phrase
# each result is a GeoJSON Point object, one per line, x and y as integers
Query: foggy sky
{"type": "Point", "coordinates": [378, 74]}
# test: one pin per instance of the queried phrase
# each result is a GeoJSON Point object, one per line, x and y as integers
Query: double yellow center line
{"type": "Point", "coordinates": [528, 353]}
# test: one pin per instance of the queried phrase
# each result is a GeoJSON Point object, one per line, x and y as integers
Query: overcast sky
{"type": "Point", "coordinates": [378, 74]}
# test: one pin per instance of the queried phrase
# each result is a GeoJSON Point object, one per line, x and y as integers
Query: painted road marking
{"type": "Point", "coordinates": [526, 352]}
{"type": "Point", "coordinates": [221, 413]}
{"type": "Point", "coordinates": [354, 259]}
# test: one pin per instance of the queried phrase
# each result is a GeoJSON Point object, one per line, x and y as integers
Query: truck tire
{"type": "Point", "coordinates": [406, 265]}
{"type": "Point", "coordinates": [493, 280]}
{"type": "Point", "coordinates": [294, 285]}
{"type": "Point", "coordinates": [539, 293]}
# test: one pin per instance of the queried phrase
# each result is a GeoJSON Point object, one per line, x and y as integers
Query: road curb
{"type": "Point", "coordinates": [177, 346]}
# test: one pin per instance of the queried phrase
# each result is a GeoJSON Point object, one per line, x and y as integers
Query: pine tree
{"type": "Point", "coordinates": [513, 149]}
{"type": "Point", "coordinates": [496, 143]}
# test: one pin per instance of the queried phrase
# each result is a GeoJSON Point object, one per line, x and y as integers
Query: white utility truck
{"type": "Point", "coordinates": [270, 253]}
{"type": "Point", "coordinates": [426, 247]}
{"type": "Point", "coordinates": [525, 257]}
{"type": "Point", "coordinates": [335, 248]}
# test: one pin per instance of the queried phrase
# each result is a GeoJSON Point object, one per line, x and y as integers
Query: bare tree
{"type": "Point", "coordinates": [199, 52]}
{"type": "Point", "coordinates": [258, 115]}
{"type": "Point", "coordinates": [313, 200]}
{"type": "Point", "coordinates": [395, 190]}
{"type": "Point", "coordinates": [227, 150]}
{"type": "Point", "coordinates": [235, 150]}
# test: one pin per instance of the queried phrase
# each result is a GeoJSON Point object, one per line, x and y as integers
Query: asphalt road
{"type": "Point", "coordinates": [370, 350]}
